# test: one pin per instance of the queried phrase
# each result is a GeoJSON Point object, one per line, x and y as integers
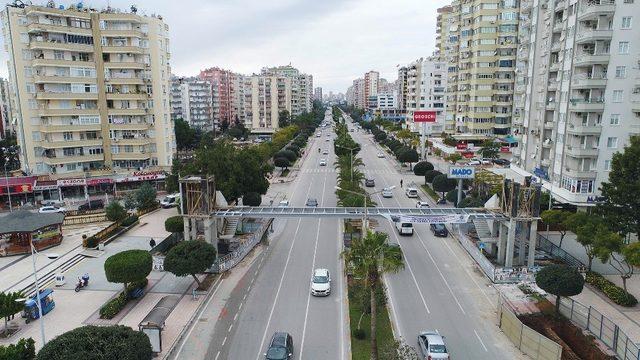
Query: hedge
{"type": "Point", "coordinates": [129, 220]}
{"type": "Point", "coordinates": [115, 305]}
{"type": "Point", "coordinates": [613, 292]}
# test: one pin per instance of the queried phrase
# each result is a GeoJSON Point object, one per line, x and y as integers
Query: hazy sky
{"type": "Point", "coordinates": [334, 40]}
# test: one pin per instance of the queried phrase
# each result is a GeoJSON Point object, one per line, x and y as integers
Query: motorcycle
{"type": "Point", "coordinates": [82, 282]}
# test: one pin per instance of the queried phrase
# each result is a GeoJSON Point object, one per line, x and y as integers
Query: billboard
{"type": "Point", "coordinates": [424, 116]}
{"type": "Point", "coordinates": [461, 172]}
{"type": "Point", "coordinates": [437, 219]}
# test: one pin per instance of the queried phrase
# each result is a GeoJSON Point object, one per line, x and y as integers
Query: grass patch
{"type": "Point", "coordinates": [430, 192]}
{"type": "Point", "coordinates": [360, 347]}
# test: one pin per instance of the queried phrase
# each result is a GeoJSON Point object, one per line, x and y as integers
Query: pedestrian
{"type": "Point", "coordinates": [152, 243]}
{"type": "Point", "coordinates": [400, 183]}
{"type": "Point", "coordinates": [271, 202]}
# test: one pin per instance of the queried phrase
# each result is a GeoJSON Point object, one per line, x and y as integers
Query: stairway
{"type": "Point", "coordinates": [231, 224]}
{"type": "Point", "coordinates": [482, 228]}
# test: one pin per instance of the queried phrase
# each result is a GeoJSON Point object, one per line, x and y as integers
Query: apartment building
{"type": "Point", "coordinates": [265, 96]}
{"type": "Point", "coordinates": [480, 40]}
{"type": "Point", "coordinates": [222, 93]}
{"type": "Point", "coordinates": [371, 82]}
{"type": "Point", "coordinates": [424, 89]}
{"type": "Point", "coordinates": [91, 89]}
{"type": "Point", "coordinates": [301, 87]}
{"type": "Point", "coordinates": [7, 121]}
{"type": "Point", "coordinates": [355, 94]}
{"type": "Point", "coordinates": [577, 97]}
{"type": "Point", "coordinates": [317, 94]}
{"type": "Point", "coordinates": [191, 101]}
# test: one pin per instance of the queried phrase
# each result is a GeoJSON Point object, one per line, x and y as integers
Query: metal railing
{"type": "Point", "coordinates": [230, 260]}
{"type": "Point", "coordinates": [601, 327]}
{"type": "Point", "coordinates": [547, 246]}
{"type": "Point", "coordinates": [485, 264]}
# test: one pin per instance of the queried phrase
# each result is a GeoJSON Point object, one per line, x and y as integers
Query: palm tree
{"type": "Point", "coordinates": [371, 257]}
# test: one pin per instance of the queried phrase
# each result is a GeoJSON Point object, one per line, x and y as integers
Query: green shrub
{"type": "Point", "coordinates": [359, 334]}
{"type": "Point", "coordinates": [115, 212]}
{"type": "Point", "coordinates": [25, 349]}
{"type": "Point", "coordinates": [113, 306]}
{"type": "Point", "coordinates": [137, 285]}
{"type": "Point", "coordinates": [174, 224]}
{"type": "Point", "coordinates": [90, 242]}
{"type": "Point", "coordinates": [613, 292]}
{"type": "Point", "coordinates": [129, 220]}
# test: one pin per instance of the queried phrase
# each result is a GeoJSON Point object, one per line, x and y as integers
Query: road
{"type": "Point", "coordinates": [279, 298]}
{"type": "Point", "coordinates": [440, 287]}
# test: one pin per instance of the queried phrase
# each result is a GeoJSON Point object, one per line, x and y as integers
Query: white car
{"type": "Point", "coordinates": [51, 209]}
{"type": "Point", "coordinates": [380, 155]}
{"type": "Point", "coordinates": [323, 162]}
{"type": "Point", "coordinates": [411, 192]}
{"type": "Point", "coordinates": [317, 135]}
{"type": "Point", "coordinates": [321, 282]}
{"type": "Point", "coordinates": [422, 205]}
{"type": "Point", "coordinates": [387, 193]}
{"type": "Point", "coordinates": [432, 345]}
{"type": "Point", "coordinates": [474, 163]}
{"type": "Point", "coordinates": [283, 203]}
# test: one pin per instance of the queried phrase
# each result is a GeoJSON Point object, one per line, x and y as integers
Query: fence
{"type": "Point", "coordinates": [485, 264]}
{"type": "Point", "coordinates": [85, 219]}
{"type": "Point", "coordinates": [230, 260]}
{"type": "Point", "coordinates": [601, 327]}
{"type": "Point", "coordinates": [527, 340]}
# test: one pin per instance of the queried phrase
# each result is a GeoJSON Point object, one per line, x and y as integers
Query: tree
{"type": "Point", "coordinates": [281, 162]}
{"type": "Point", "coordinates": [128, 266]}
{"type": "Point", "coordinates": [115, 212]}
{"type": "Point", "coordinates": [443, 184]}
{"type": "Point", "coordinates": [9, 305]}
{"type": "Point", "coordinates": [185, 135]}
{"type": "Point", "coordinates": [404, 135]}
{"type": "Point", "coordinates": [430, 175]}
{"type": "Point", "coordinates": [450, 141]}
{"type": "Point", "coordinates": [98, 342]}
{"type": "Point", "coordinates": [190, 258]}
{"type": "Point", "coordinates": [422, 167]}
{"type": "Point", "coordinates": [560, 280]}
{"type": "Point", "coordinates": [610, 247]}
{"type": "Point", "coordinates": [454, 158]}
{"type": "Point", "coordinates": [557, 218]}
{"type": "Point", "coordinates": [380, 136]}
{"type": "Point", "coordinates": [174, 224]}
{"type": "Point", "coordinates": [586, 227]}
{"type": "Point", "coordinates": [252, 199]}
{"type": "Point", "coordinates": [371, 256]}
{"type": "Point", "coordinates": [452, 196]}
{"type": "Point", "coordinates": [284, 118]}
{"type": "Point", "coordinates": [24, 349]}
{"type": "Point", "coordinates": [408, 156]}
{"type": "Point", "coordinates": [146, 197]}
{"type": "Point", "coordinates": [130, 201]}
{"type": "Point", "coordinates": [621, 194]}
{"type": "Point", "coordinates": [490, 149]}
{"type": "Point", "coordinates": [470, 202]}
{"type": "Point", "coordinates": [287, 154]}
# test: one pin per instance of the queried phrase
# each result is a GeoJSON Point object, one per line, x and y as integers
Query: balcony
{"type": "Point", "coordinates": [591, 10]}
{"type": "Point", "coordinates": [47, 95]}
{"type": "Point", "coordinates": [68, 112]}
{"type": "Point", "coordinates": [46, 28]}
{"type": "Point", "coordinates": [72, 159]}
{"type": "Point", "coordinates": [134, 141]}
{"type": "Point", "coordinates": [131, 126]}
{"type": "Point", "coordinates": [123, 33]}
{"type": "Point", "coordinates": [558, 26]}
{"type": "Point", "coordinates": [122, 49]}
{"type": "Point", "coordinates": [131, 156]}
{"type": "Point", "coordinates": [63, 128]}
{"type": "Point", "coordinates": [59, 144]}
{"type": "Point", "coordinates": [125, 80]}
{"type": "Point", "coordinates": [56, 62]}
{"type": "Point", "coordinates": [591, 35]}
{"type": "Point", "coordinates": [579, 173]}
{"type": "Point", "coordinates": [120, 16]}
{"type": "Point", "coordinates": [135, 111]}
{"type": "Point", "coordinates": [54, 45]}
{"type": "Point", "coordinates": [586, 105]}
{"type": "Point", "coordinates": [587, 81]}
{"type": "Point", "coordinates": [583, 129]}
{"type": "Point", "coordinates": [560, 5]}
{"type": "Point", "coordinates": [525, 5]}
{"type": "Point", "coordinates": [41, 79]}
{"type": "Point", "coordinates": [124, 65]}
{"type": "Point", "coordinates": [129, 96]}
{"type": "Point", "coordinates": [587, 59]}
{"type": "Point", "coordinates": [580, 152]}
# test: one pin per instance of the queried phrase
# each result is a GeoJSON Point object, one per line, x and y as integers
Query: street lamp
{"type": "Point", "coordinates": [364, 194]}
{"type": "Point", "coordinates": [350, 157]}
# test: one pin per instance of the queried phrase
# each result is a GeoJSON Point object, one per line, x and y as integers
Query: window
{"type": "Point", "coordinates": [67, 135]}
{"type": "Point", "coordinates": [614, 119]}
{"type": "Point", "coordinates": [35, 136]}
{"type": "Point", "coordinates": [33, 104]}
{"type": "Point", "coordinates": [26, 55]}
{"type": "Point", "coordinates": [607, 165]}
{"type": "Point", "coordinates": [71, 167]}
{"type": "Point", "coordinates": [115, 149]}
{"type": "Point", "coordinates": [24, 38]}
{"type": "Point", "coordinates": [128, 148]}
{"type": "Point", "coordinates": [626, 22]}
{"type": "Point", "coordinates": [58, 55]}
{"type": "Point", "coordinates": [612, 142]}
{"type": "Point", "coordinates": [621, 72]}
{"type": "Point", "coordinates": [623, 47]}
{"type": "Point", "coordinates": [617, 96]}
{"type": "Point", "coordinates": [31, 88]}
{"type": "Point", "coordinates": [28, 71]}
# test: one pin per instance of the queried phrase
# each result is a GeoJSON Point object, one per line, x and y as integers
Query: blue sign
{"type": "Point", "coordinates": [462, 172]}
{"type": "Point", "coordinates": [541, 173]}
{"type": "Point", "coordinates": [481, 245]}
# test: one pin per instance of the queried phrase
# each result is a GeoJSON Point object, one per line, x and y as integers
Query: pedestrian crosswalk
{"type": "Point", "coordinates": [332, 170]}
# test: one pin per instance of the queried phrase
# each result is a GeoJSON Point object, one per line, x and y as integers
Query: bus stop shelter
{"type": "Point", "coordinates": [153, 323]}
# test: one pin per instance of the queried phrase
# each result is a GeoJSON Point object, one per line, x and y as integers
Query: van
{"type": "Point", "coordinates": [404, 228]}
{"type": "Point", "coordinates": [170, 201]}
{"type": "Point", "coordinates": [411, 192]}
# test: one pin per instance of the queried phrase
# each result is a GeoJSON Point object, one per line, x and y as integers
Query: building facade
{"type": "Point", "coordinates": [223, 95]}
{"type": "Point", "coordinates": [191, 101]}
{"type": "Point", "coordinates": [355, 95]}
{"type": "Point", "coordinates": [424, 89]}
{"type": "Point", "coordinates": [265, 96]}
{"type": "Point", "coordinates": [577, 99]}
{"type": "Point", "coordinates": [301, 87]}
{"type": "Point", "coordinates": [371, 83]}
{"type": "Point", "coordinates": [478, 40]}
{"type": "Point", "coordinates": [317, 94]}
{"type": "Point", "coordinates": [91, 90]}
{"type": "Point", "coordinates": [7, 120]}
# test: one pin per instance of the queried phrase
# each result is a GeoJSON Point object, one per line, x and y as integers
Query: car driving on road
{"type": "Point", "coordinates": [321, 283]}
{"type": "Point", "coordinates": [387, 193]}
{"type": "Point", "coordinates": [369, 183]}
{"type": "Point", "coordinates": [411, 192]}
{"type": "Point", "coordinates": [312, 202]}
{"type": "Point", "coordinates": [280, 347]}
{"type": "Point", "coordinates": [380, 155]}
{"type": "Point", "coordinates": [422, 205]}
{"type": "Point", "coordinates": [323, 162]}
{"type": "Point", "coordinates": [325, 152]}
{"type": "Point", "coordinates": [404, 228]}
{"type": "Point", "coordinates": [51, 209]}
{"type": "Point", "coordinates": [439, 230]}
{"type": "Point", "coordinates": [432, 345]}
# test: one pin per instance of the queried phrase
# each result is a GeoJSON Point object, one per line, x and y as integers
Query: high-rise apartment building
{"type": "Point", "coordinates": [480, 49]}
{"type": "Point", "coordinates": [317, 94]}
{"type": "Point", "coordinates": [7, 121]}
{"type": "Point", "coordinates": [191, 101]}
{"type": "Point", "coordinates": [355, 94]}
{"type": "Point", "coordinates": [301, 87]}
{"type": "Point", "coordinates": [426, 83]}
{"type": "Point", "coordinates": [91, 89]}
{"type": "Point", "coordinates": [265, 96]}
{"type": "Point", "coordinates": [577, 92]}
{"type": "Point", "coordinates": [222, 93]}
{"type": "Point", "coordinates": [371, 83]}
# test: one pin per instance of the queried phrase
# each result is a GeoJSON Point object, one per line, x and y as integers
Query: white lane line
{"type": "Point", "coordinates": [306, 311]}
{"type": "Point", "coordinates": [440, 272]}
{"type": "Point", "coordinates": [217, 355]}
{"type": "Point", "coordinates": [235, 317]}
{"type": "Point", "coordinates": [193, 326]}
{"type": "Point", "coordinates": [240, 306]}
{"type": "Point", "coordinates": [230, 327]}
{"type": "Point", "coordinates": [224, 341]}
{"type": "Point", "coordinates": [479, 339]}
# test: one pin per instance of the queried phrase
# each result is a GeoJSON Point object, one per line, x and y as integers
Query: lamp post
{"type": "Point", "coordinates": [350, 157]}
{"type": "Point", "coordinates": [51, 256]}
{"type": "Point", "coordinates": [364, 195]}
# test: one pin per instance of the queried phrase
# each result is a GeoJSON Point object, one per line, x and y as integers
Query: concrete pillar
{"type": "Point", "coordinates": [502, 242]}
{"type": "Point", "coordinates": [533, 234]}
{"type": "Point", "coordinates": [522, 243]}
{"type": "Point", "coordinates": [194, 229]}
{"type": "Point", "coordinates": [511, 239]}
{"type": "Point", "coordinates": [187, 229]}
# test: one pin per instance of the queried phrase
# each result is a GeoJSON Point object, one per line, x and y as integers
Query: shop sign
{"type": "Point", "coordinates": [17, 189]}
{"type": "Point", "coordinates": [46, 187]}
{"type": "Point", "coordinates": [72, 182]}
{"type": "Point", "coordinates": [99, 181]}
{"type": "Point", "coordinates": [142, 176]}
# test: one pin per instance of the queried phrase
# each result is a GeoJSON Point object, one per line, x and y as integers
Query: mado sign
{"type": "Point", "coordinates": [462, 172]}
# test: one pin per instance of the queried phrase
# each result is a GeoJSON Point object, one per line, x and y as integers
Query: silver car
{"type": "Point", "coordinates": [432, 345]}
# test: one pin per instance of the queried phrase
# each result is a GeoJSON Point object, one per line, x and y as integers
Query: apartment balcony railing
{"type": "Point", "coordinates": [579, 129]}
{"type": "Point", "coordinates": [590, 35]}
{"type": "Point", "coordinates": [580, 151]}
{"type": "Point", "coordinates": [581, 81]}
{"type": "Point", "coordinates": [587, 59]}
{"type": "Point", "coordinates": [589, 9]}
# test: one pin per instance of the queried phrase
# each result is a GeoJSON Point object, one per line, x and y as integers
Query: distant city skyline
{"type": "Point", "coordinates": [315, 37]}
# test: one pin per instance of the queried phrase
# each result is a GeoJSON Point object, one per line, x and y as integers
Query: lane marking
{"type": "Point", "coordinates": [235, 317]}
{"type": "Point", "coordinates": [230, 327]}
{"type": "Point", "coordinates": [224, 341]}
{"type": "Point", "coordinates": [240, 307]}
{"type": "Point", "coordinates": [306, 311]}
{"type": "Point", "coordinates": [217, 355]}
{"type": "Point", "coordinates": [479, 339]}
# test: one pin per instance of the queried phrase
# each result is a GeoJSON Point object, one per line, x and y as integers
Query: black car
{"type": "Point", "coordinates": [280, 347]}
{"type": "Point", "coordinates": [439, 230]}
{"type": "Point", "coordinates": [91, 205]}
{"type": "Point", "coordinates": [501, 162]}
{"type": "Point", "coordinates": [369, 183]}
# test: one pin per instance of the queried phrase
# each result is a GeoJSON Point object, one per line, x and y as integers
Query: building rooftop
{"type": "Point", "coordinates": [27, 221]}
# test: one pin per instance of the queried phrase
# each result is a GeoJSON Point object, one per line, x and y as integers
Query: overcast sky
{"type": "Point", "coordinates": [334, 40]}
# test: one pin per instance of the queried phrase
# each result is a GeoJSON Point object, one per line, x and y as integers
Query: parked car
{"type": "Point", "coordinates": [369, 183]}
{"type": "Point", "coordinates": [321, 283]}
{"type": "Point", "coordinates": [323, 162]}
{"type": "Point", "coordinates": [170, 201]}
{"type": "Point", "coordinates": [380, 155]}
{"type": "Point", "coordinates": [442, 201]}
{"type": "Point", "coordinates": [411, 192]}
{"type": "Point", "coordinates": [501, 162]}
{"type": "Point", "coordinates": [432, 345]}
{"type": "Point", "coordinates": [280, 347]}
{"type": "Point", "coordinates": [312, 202]}
{"type": "Point", "coordinates": [439, 230]}
{"type": "Point", "coordinates": [422, 205]}
{"type": "Point", "coordinates": [51, 209]}
{"type": "Point", "coordinates": [486, 161]}
{"type": "Point", "coordinates": [56, 203]}
{"type": "Point", "coordinates": [91, 205]}
{"type": "Point", "coordinates": [474, 162]}
{"type": "Point", "coordinates": [387, 193]}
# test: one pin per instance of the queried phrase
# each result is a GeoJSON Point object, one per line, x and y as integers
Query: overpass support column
{"type": "Point", "coordinates": [187, 228]}
{"type": "Point", "coordinates": [502, 242]}
{"type": "Point", "coordinates": [211, 231]}
{"type": "Point", "coordinates": [194, 229]}
{"type": "Point", "coordinates": [511, 240]}
{"type": "Point", "coordinates": [533, 235]}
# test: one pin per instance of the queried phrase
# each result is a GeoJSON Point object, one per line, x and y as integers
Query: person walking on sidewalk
{"type": "Point", "coordinates": [400, 183]}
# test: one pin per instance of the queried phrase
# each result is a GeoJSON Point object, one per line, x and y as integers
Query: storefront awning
{"type": "Point", "coordinates": [27, 221]}
{"type": "Point", "coordinates": [509, 139]}
{"type": "Point", "coordinates": [17, 185]}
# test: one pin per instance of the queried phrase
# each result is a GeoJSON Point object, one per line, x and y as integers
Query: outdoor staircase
{"type": "Point", "coordinates": [231, 224]}
{"type": "Point", "coordinates": [482, 228]}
